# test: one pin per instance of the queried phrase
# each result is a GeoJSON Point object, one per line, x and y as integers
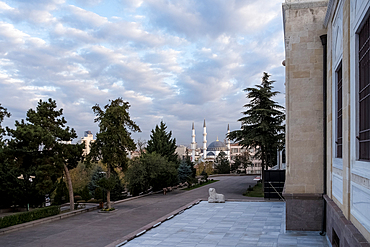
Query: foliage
{"type": "Point", "coordinates": [206, 166]}
{"type": "Point", "coordinates": [150, 170]}
{"type": "Point", "coordinates": [262, 125]}
{"type": "Point", "coordinates": [61, 193]}
{"type": "Point", "coordinates": [200, 185]}
{"type": "Point", "coordinates": [191, 164]}
{"type": "Point", "coordinates": [81, 176]}
{"type": "Point", "coordinates": [240, 161]}
{"type": "Point", "coordinates": [3, 113]}
{"type": "Point", "coordinates": [204, 175]}
{"type": "Point", "coordinates": [160, 142]}
{"type": "Point", "coordinates": [98, 174]}
{"type": "Point", "coordinates": [24, 217]}
{"type": "Point", "coordinates": [85, 194]}
{"type": "Point", "coordinates": [113, 142]}
{"type": "Point", "coordinates": [222, 164]}
{"type": "Point", "coordinates": [184, 172]}
{"type": "Point", "coordinates": [256, 191]}
{"type": "Point", "coordinates": [114, 138]}
{"type": "Point", "coordinates": [35, 149]}
{"type": "Point", "coordinates": [98, 193]}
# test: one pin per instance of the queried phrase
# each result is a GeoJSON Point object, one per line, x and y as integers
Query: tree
{"type": "Point", "coordinates": [206, 166]}
{"type": "Point", "coordinates": [184, 172]}
{"type": "Point", "coordinates": [3, 113]}
{"type": "Point", "coordinates": [141, 145]}
{"type": "Point", "coordinates": [262, 125]}
{"type": "Point", "coordinates": [150, 170]}
{"type": "Point", "coordinates": [114, 138]}
{"type": "Point", "coordinates": [38, 149]}
{"type": "Point", "coordinates": [222, 164]}
{"type": "Point", "coordinates": [240, 161]}
{"type": "Point", "coordinates": [161, 143]}
{"type": "Point", "coordinates": [190, 163]}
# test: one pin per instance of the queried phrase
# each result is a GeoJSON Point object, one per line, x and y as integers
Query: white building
{"type": "Point", "coordinates": [87, 139]}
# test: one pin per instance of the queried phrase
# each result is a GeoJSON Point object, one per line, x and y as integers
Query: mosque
{"type": "Point", "coordinates": [213, 149]}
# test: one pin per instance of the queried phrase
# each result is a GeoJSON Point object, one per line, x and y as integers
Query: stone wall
{"type": "Point", "coordinates": [303, 26]}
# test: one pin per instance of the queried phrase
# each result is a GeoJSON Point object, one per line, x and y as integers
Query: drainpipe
{"type": "Point", "coordinates": [324, 44]}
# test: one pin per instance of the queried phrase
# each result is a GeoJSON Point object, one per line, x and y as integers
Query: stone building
{"type": "Point", "coordinates": [87, 139]}
{"type": "Point", "coordinates": [327, 64]}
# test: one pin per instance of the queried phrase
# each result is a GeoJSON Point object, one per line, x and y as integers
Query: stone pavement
{"type": "Point", "coordinates": [228, 224]}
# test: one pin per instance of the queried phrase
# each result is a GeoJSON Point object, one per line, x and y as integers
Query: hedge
{"type": "Point", "coordinates": [19, 218]}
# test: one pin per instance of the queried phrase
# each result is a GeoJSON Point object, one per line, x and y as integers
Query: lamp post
{"type": "Point", "coordinates": [30, 178]}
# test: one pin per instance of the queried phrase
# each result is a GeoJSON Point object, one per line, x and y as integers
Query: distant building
{"type": "Point", "coordinates": [237, 149]}
{"type": "Point", "coordinates": [87, 139]}
{"type": "Point", "coordinates": [209, 153]}
{"type": "Point", "coordinates": [181, 151]}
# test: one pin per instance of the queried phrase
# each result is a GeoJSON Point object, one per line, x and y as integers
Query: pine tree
{"type": "Point", "coordinates": [37, 146]}
{"type": "Point", "coordinates": [184, 172]}
{"type": "Point", "coordinates": [161, 143]}
{"type": "Point", "coordinates": [262, 125]}
{"type": "Point", "coordinates": [222, 164]}
{"type": "Point", "coordinates": [113, 140]}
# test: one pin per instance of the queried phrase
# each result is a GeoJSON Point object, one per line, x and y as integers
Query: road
{"type": "Point", "coordinates": [96, 229]}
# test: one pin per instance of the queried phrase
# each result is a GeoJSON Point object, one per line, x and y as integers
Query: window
{"type": "Point", "coordinates": [364, 93]}
{"type": "Point", "coordinates": [339, 137]}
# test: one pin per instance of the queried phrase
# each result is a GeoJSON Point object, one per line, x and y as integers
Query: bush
{"type": "Point", "coordinates": [85, 194]}
{"type": "Point", "coordinates": [38, 213]}
{"type": "Point", "coordinates": [78, 198]}
{"type": "Point", "coordinates": [93, 201]}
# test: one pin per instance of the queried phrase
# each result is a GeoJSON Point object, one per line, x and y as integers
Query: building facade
{"type": "Point", "coordinates": [327, 62]}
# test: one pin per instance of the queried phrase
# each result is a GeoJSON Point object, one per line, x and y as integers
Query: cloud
{"type": "Point", "coordinates": [180, 61]}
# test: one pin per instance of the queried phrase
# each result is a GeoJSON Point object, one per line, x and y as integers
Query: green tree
{"type": "Point", "coordinates": [114, 138]}
{"type": "Point", "coordinates": [150, 171]}
{"type": "Point", "coordinates": [222, 164]}
{"type": "Point", "coordinates": [61, 193]}
{"type": "Point", "coordinates": [160, 142]}
{"type": "Point", "coordinates": [262, 125]}
{"type": "Point", "coordinates": [184, 172]}
{"type": "Point", "coordinates": [10, 190]}
{"type": "Point", "coordinates": [240, 161]}
{"type": "Point", "coordinates": [3, 114]}
{"type": "Point", "coordinates": [191, 164]}
{"type": "Point", "coordinates": [96, 176]}
{"type": "Point", "coordinates": [38, 149]}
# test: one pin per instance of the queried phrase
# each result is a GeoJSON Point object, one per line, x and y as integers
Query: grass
{"type": "Point", "coordinates": [255, 192]}
{"type": "Point", "coordinates": [200, 185]}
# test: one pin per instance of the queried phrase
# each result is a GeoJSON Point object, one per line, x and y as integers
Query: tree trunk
{"type": "Point", "coordinates": [70, 188]}
{"type": "Point", "coordinates": [108, 191]}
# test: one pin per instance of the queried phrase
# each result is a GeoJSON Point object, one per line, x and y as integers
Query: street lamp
{"type": "Point", "coordinates": [30, 178]}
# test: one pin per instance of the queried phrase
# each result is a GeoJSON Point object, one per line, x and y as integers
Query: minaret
{"type": "Point", "coordinates": [193, 144]}
{"type": "Point", "coordinates": [204, 140]}
{"type": "Point", "coordinates": [228, 143]}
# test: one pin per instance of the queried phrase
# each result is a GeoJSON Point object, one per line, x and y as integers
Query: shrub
{"type": "Point", "coordinates": [93, 201]}
{"type": "Point", "coordinates": [78, 198]}
{"type": "Point", "coordinates": [85, 194]}
{"type": "Point", "coordinates": [38, 213]}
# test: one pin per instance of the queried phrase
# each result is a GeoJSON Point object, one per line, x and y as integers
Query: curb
{"type": "Point", "coordinates": [62, 216]}
{"type": "Point", "coordinates": [122, 241]}
{"type": "Point", "coordinates": [45, 220]}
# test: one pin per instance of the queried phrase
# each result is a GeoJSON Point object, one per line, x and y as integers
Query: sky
{"type": "Point", "coordinates": [180, 61]}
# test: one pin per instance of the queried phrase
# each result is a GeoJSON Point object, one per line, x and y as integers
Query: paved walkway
{"type": "Point", "coordinates": [96, 229]}
{"type": "Point", "coordinates": [228, 224]}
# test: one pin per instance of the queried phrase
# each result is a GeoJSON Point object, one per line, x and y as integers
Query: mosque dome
{"type": "Point", "coordinates": [217, 146]}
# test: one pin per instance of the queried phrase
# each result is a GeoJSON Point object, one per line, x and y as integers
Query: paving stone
{"type": "Point", "coordinates": [230, 224]}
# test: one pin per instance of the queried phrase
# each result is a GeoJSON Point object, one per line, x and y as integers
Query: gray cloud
{"type": "Point", "coordinates": [179, 61]}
